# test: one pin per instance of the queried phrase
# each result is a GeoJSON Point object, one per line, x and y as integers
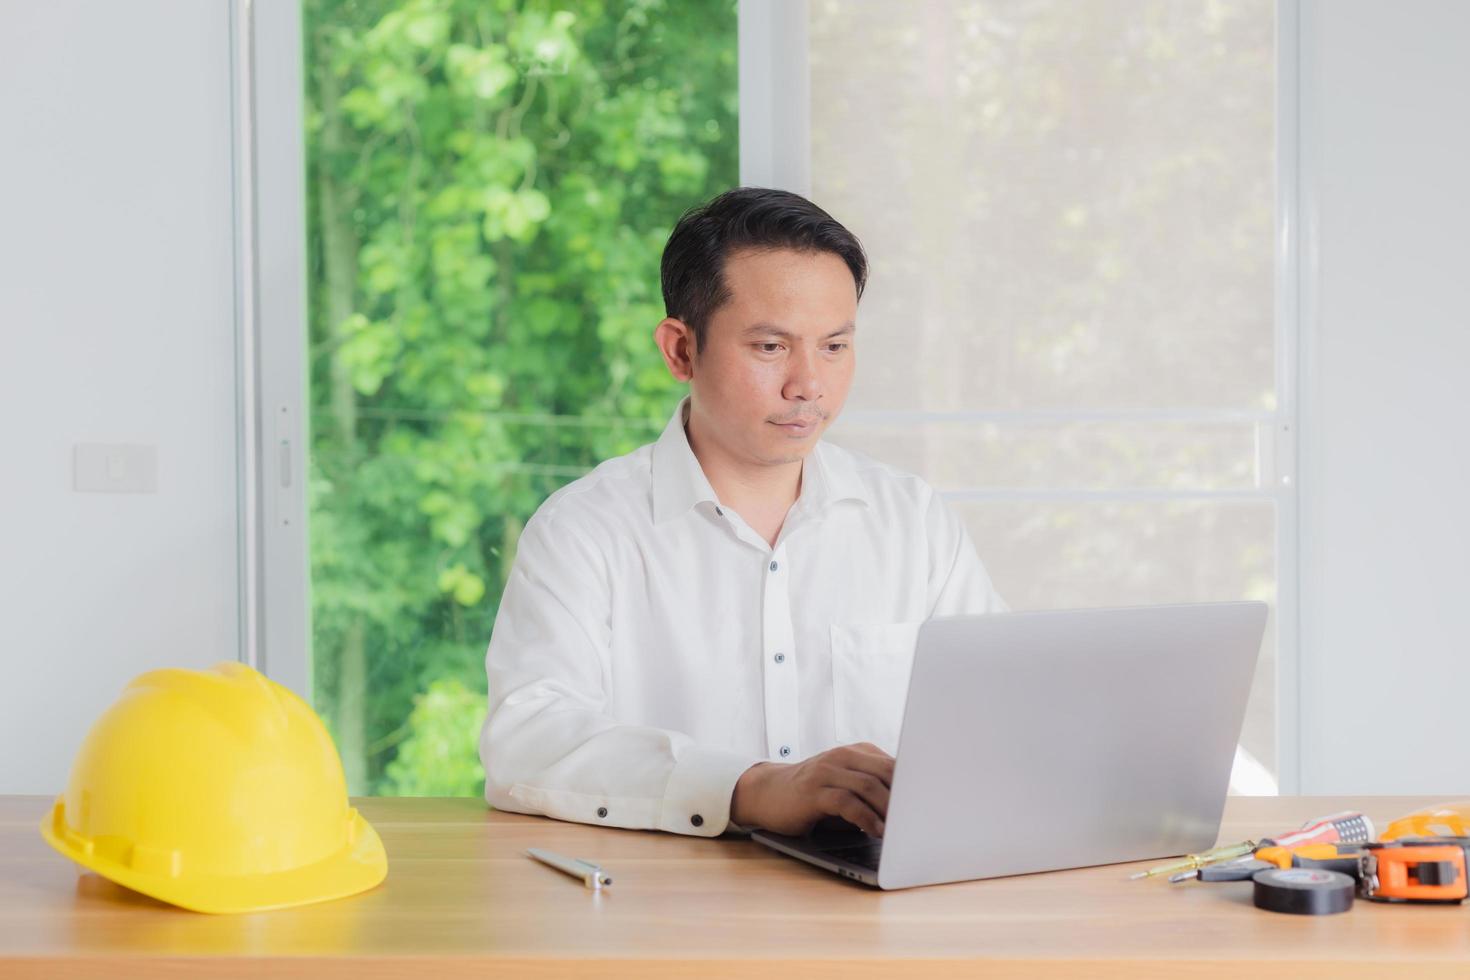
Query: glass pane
{"type": "Point", "coordinates": [1046, 455]}
{"type": "Point", "coordinates": [1045, 555]}
{"type": "Point", "coordinates": [1067, 205]}
{"type": "Point", "coordinates": [1069, 209]}
{"type": "Point", "coordinates": [490, 187]}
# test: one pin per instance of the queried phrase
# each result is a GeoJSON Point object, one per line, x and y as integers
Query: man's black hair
{"type": "Point", "coordinates": [762, 218]}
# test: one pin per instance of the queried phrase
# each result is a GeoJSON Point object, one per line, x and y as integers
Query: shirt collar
{"type": "Point", "coordinates": [678, 480]}
{"type": "Point", "coordinates": [836, 476]}
{"type": "Point", "coordinates": [679, 483]}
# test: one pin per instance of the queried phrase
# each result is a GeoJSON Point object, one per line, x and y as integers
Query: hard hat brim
{"type": "Point", "coordinates": [360, 865]}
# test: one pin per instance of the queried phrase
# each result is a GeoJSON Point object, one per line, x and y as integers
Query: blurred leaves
{"type": "Point", "coordinates": [439, 756]}
{"type": "Point", "coordinates": [490, 186]}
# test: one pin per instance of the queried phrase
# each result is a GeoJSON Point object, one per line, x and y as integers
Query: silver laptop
{"type": "Point", "coordinates": [1036, 741]}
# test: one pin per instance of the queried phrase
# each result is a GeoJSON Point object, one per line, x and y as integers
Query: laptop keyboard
{"type": "Point", "coordinates": [863, 855]}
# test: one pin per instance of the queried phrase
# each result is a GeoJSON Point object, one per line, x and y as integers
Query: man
{"type": "Point", "coordinates": [714, 632]}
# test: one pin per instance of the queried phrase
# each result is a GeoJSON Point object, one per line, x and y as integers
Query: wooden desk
{"type": "Point", "coordinates": [461, 900]}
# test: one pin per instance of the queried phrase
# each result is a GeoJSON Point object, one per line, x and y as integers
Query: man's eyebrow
{"type": "Point", "coordinates": [771, 330]}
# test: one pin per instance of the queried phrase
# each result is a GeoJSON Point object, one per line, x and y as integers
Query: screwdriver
{"type": "Point", "coordinates": [1193, 862]}
{"type": "Point", "coordinates": [1350, 826]}
{"type": "Point", "coordinates": [1241, 869]}
{"type": "Point", "coordinates": [1323, 857]}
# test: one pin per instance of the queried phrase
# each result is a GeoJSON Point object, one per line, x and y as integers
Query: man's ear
{"type": "Point", "coordinates": [675, 340]}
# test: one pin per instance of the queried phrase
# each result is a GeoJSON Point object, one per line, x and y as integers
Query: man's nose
{"type": "Point", "coordinates": [802, 382]}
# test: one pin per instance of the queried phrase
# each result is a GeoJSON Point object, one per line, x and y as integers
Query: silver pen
{"type": "Point", "coordinates": [591, 874]}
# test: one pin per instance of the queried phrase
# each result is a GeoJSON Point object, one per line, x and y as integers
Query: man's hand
{"type": "Point", "coordinates": [850, 781]}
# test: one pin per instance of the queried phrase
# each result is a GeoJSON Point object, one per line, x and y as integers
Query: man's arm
{"type": "Point", "coordinates": [548, 745]}
{"type": "Point", "coordinates": [958, 581]}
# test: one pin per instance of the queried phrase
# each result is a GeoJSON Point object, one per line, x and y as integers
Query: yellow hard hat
{"type": "Point", "coordinates": [217, 790]}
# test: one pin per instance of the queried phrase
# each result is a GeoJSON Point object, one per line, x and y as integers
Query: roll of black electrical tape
{"type": "Point", "coordinates": [1303, 891]}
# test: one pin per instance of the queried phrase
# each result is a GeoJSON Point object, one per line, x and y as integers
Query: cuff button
{"type": "Point", "coordinates": [697, 820]}
{"type": "Point", "coordinates": [602, 811]}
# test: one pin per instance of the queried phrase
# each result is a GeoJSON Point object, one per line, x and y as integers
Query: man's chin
{"type": "Point", "coordinates": [789, 449]}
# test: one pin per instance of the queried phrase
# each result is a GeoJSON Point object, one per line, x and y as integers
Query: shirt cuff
{"type": "Point", "coordinates": [697, 798]}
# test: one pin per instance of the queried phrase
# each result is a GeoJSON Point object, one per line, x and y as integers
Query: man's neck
{"type": "Point", "coordinates": [760, 494]}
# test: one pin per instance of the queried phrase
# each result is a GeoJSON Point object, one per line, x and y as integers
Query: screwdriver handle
{"type": "Point", "coordinates": [1282, 856]}
{"type": "Point", "coordinates": [1349, 827]}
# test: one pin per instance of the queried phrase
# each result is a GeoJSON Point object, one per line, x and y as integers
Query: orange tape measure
{"type": "Point", "coordinates": [1427, 869]}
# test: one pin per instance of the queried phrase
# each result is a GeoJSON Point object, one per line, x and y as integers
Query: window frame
{"type": "Point", "coordinates": [269, 183]}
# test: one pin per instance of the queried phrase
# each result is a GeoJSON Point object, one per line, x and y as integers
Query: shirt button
{"type": "Point", "coordinates": [780, 658]}
{"type": "Point", "coordinates": [697, 820]}
{"type": "Point", "coordinates": [785, 751]}
{"type": "Point", "coordinates": [602, 811]}
{"type": "Point", "coordinates": [720, 512]}
{"type": "Point", "coordinates": [773, 566]}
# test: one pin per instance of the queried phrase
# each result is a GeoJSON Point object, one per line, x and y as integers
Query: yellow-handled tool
{"type": "Point", "coordinates": [1193, 862]}
{"type": "Point", "coordinates": [1324, 857]}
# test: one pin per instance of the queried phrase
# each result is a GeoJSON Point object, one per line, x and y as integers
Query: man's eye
{"type": "Point", "coordinates": [768, 348]}
{"type": "Point", "coordinates": [837, 347]}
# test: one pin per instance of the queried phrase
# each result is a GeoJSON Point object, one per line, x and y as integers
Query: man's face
{"type": "Point", "coordinates": [778, 356]}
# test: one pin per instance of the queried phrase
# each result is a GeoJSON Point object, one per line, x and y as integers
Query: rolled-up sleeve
{"type": "Point", "coordinates": [549, 745]}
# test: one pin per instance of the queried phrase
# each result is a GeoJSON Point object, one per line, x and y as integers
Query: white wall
{"type": "Point", "coordinates": [116, 326]}
{"type": "Point", "coordinates": [1385, 516]}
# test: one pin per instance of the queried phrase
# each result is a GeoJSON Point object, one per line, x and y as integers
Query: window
{"type": "Point", "coordinates": [489, 189]}
{"type": "Point", "coordinates": [1070, 211]}
{"type": "Point", "coordinates": [1069, 328]}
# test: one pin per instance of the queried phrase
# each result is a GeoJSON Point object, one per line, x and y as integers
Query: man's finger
{"type": "Point", "coordinates": [854, 810]}
{"type": "Point", "coordinates": [868, 749]}
{"type": "Point", "coordinates": [847, 805]}
{"type": "Point", "coordinates": [879, 764]}
{"type": "Point", "coordinates": [868, 787]}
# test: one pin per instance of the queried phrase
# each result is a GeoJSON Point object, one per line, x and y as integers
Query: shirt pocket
{"type": "Point", "coordinates": [870, 680]}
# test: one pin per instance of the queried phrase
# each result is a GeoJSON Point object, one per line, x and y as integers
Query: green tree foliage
{"type": "Point", "coordinates": [491, 183]}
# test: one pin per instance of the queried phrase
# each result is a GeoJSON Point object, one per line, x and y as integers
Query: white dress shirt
{"type": "Point", "coordinates": [650, 646]}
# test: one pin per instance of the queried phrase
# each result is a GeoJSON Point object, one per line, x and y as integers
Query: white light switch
{"type": "Point", "coordinates": [108, 468]}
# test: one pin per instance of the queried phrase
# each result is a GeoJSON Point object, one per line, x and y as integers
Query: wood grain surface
{"type": "Point", "coordinates": [462, 899]}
